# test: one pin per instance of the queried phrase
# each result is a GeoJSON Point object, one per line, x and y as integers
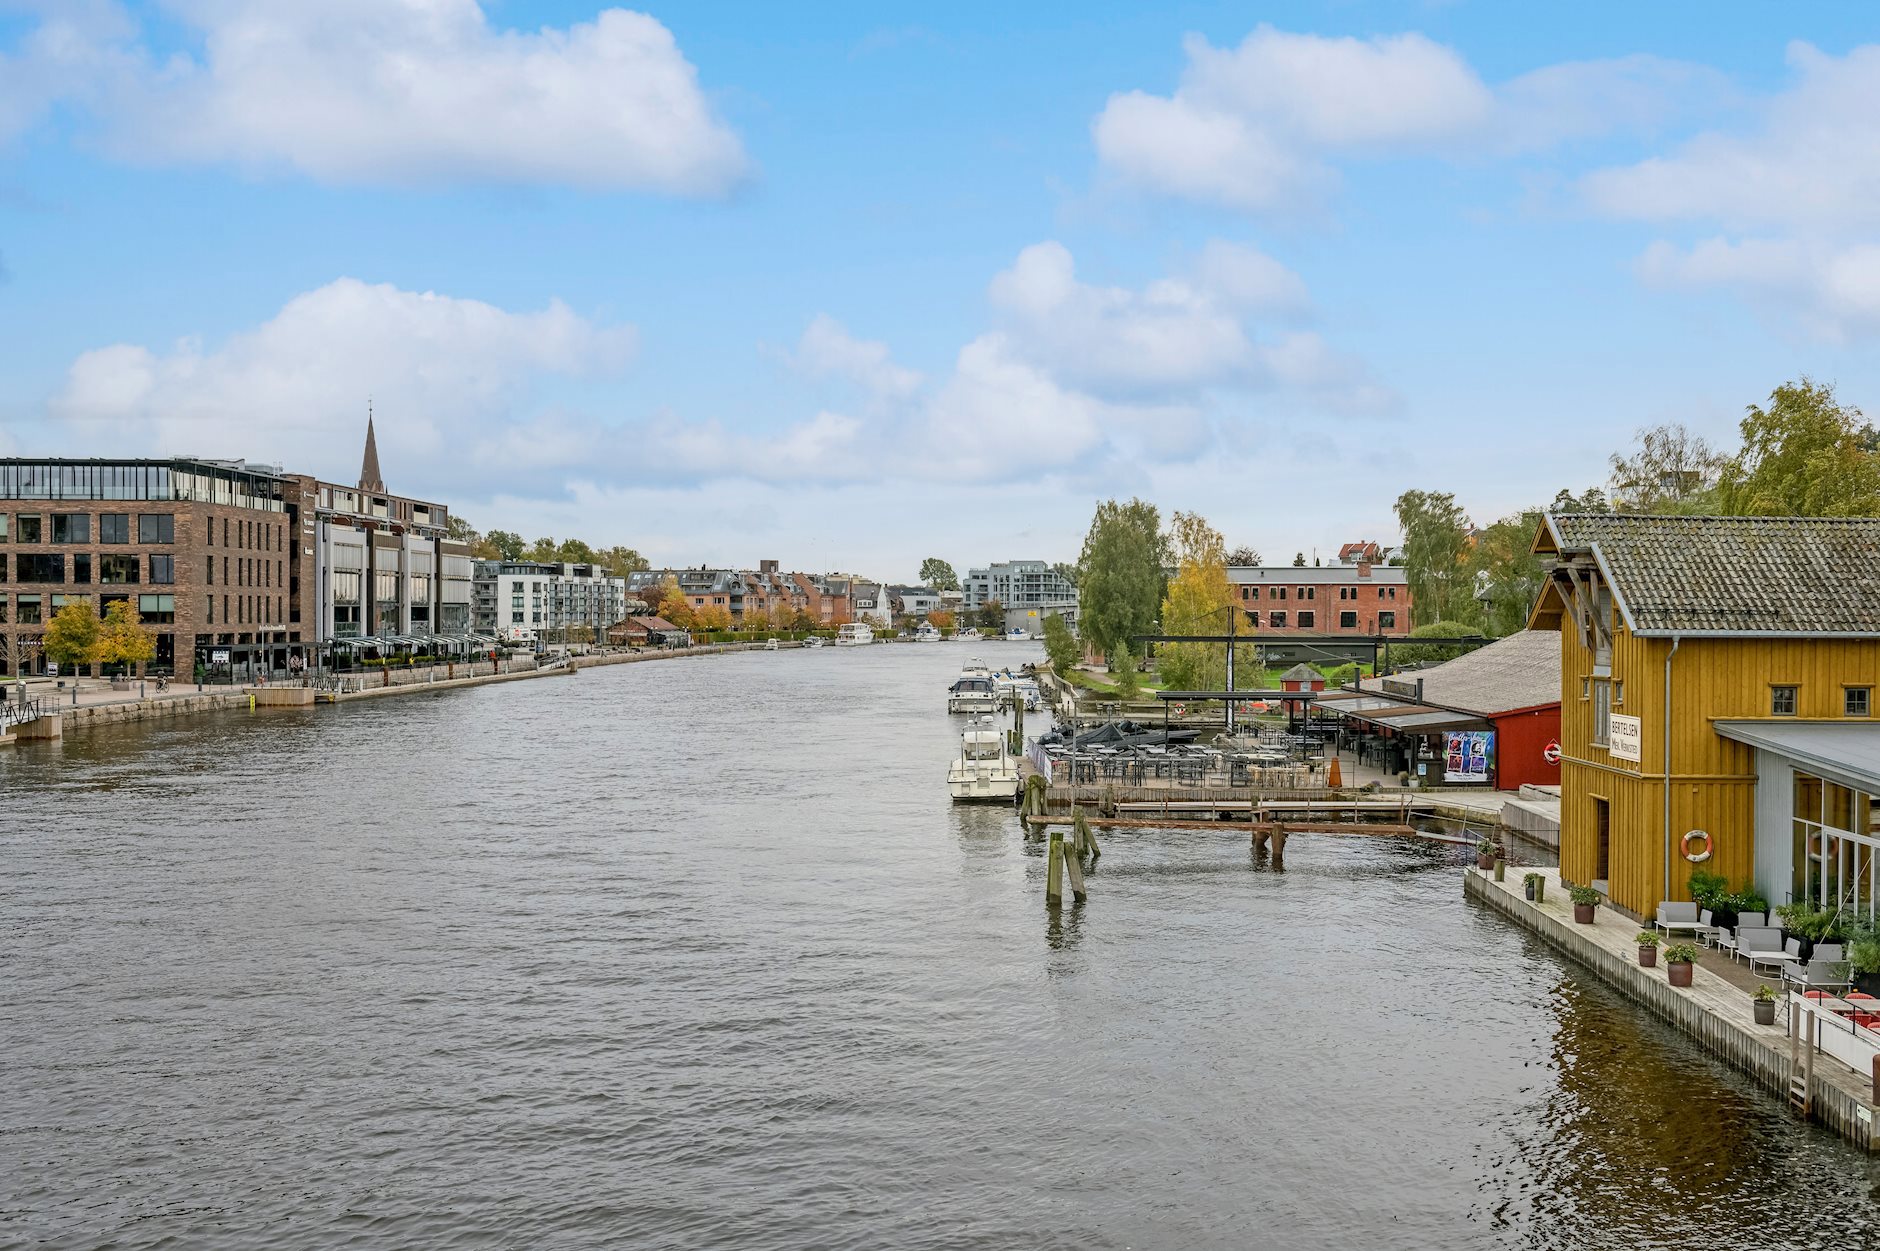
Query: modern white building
{"type": "Point", "coordinates": [526, 601]}
{"type": "Point", "coordinates": [1028, 591]}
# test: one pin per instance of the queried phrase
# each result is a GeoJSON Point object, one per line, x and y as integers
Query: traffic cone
{"type": "Point", "coordinates": [1334, 778]}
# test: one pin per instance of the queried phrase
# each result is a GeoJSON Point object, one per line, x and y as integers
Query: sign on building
{"type": "Point", "coordinates": [1624, 737]}
{"type": "Point", "coordinates": [1468, 755]}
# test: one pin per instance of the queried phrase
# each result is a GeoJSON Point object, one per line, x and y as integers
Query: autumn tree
{"type": "Point", "coordinates": [711, 617]}
{"type": "Point", "coordinates": [1200, 597]}
{"type": "Point", "coordinates": [122, 639]}
{"type": "Point", "coordinates": [940, 619]}
{"type": "Point", "coordinates": [1806, 455]}
{"type": "Point", "coordinates": [1435, 548]}
{"type": "Point", "coordinates": [938, 574]}
{"type": "Point", "coordinates": [1120, 578]}
{"type": "Point", "coordinates": [71, 637]}
{"type": "Point", "coordinates": [673, 605]}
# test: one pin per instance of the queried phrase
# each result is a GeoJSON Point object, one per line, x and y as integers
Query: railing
{"type": "Point", "coordinates": [15, 712]}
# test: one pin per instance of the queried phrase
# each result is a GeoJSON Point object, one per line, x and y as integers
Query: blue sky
{"type": "Point", "coordinates": [735, 281]}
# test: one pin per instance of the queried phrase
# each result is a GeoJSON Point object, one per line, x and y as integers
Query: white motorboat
{"type": "Point", "coordinates": [975, 668]}
{"type": "Point", "coordinates": [973, 693]}
{"type": "Point", "coordinates": [1012, 690]}
{"type": "Point", "coordinates": [814, 640]}
{"type": "Point", "coordinates": [1016, 635]}
{"type": "Point", "coordinates": [770, 645]}
{"type": "Point", "coordinates": [927, 633]}
{"type": "Point", "coordinates": [984, 769]}
{"type": "Point", "coordinates": [969, 635]}
{"type": "Point", "coordinates": [854, 634]}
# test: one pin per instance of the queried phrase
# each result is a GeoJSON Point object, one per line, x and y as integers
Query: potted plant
{"type": "Point", "coordinates": [1403, 779]}
{"type": "Point", "coordinates": [1534, 886]}
{"type": "Point", "coordinates": [1485, 854]}
{"type": "Point", "coordinates": [1763, 1003]}
{"type": "Point", "coordinates": [1648, 941]}
{"type": "Point", "coordinates": [1679, 957]}
{"type": "Point", "coordinates": [1585, 900]}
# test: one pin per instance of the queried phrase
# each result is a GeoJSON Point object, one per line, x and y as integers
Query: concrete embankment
{"type": "Point", "coordinates": [1711, 1011]}
{"type": "Point", "coordinates": [357, 686]}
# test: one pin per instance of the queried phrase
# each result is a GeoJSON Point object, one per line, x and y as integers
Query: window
{"type": "Point", "coordinates": [114, 527]}
{"type": "Point", "coordinates": [162, 570]}
{"type": "Point", "coordinates": [1586, 688]}
{"type": "Point", "coordinates": [35, 568]}
{"type": "Point", "coordinates": [3, 567]}
{"type": "Point", "coordinates": [1857, 701]}
{"type": "Point", "coordinates": [156, 609]}
{"type": "Point", "coordinates": [1279, 592]}
{"type": "Point", "coordinates": [515, 618]}
{"type": "Point", "coordinates": [1602, 713]}
{"type": "Point", "coordinates": [81, 567]}
{"type": "Point", "coordinates": [209, 563]}
{"type": "Point", "coordinates": [28, 526]}
{"type": "Point", "coordinates": [1277, 620]}
{"type": "Point", "coordinates": [1306, 620]}
{"type": "Point", "coordinates": [71, 527]}
{"type": "Point", "coordinates": [1256, 592]}
{"type": "Point", "coordinates": [118, 569]}
{"type": "Point", "coordinates": [29, 610]}
{"type": "Point", "coordinates": [1347, 620]}
{"type": "Point", "coordinates": [1782, 701]}
{"type": "Point", "coordinates": [156, 528]}
{"type": "Point", "coordinates": [1387, 620]}
{"type": "Point", "coordinates": [1618, 693]}
{"type": "Point", "coordinates": [3, 527]}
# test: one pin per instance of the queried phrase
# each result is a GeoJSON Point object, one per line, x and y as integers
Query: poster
{"type": "Point", "coordinates": [1467, 755]}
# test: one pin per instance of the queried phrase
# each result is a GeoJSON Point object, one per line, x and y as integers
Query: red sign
{"type": "Point", "coordinates": [1551, 753]}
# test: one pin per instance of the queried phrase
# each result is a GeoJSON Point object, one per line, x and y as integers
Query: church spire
{"type": "Point", "coordinates": [369, 477]}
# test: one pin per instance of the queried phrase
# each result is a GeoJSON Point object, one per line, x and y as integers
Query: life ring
{"type": "Point", "coordinates": [1697, 846]}
{"type": "Point", "coordinates": [1180, 710]}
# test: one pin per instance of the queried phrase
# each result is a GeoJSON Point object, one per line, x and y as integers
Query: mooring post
{"type": "Point", "coordinates": [1074, 867]}
{"type": "Point", "coordinates": [1054, 873]}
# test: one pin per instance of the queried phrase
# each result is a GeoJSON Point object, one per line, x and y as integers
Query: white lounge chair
{"type": "Point", "coordinates": [1762, 946]}
{"type": "Point", "coordinates": [1678, 916]}
{"type": "Point", "coordinates": [1818, 975]}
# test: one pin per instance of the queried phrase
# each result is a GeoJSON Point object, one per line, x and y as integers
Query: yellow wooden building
{"type": "Point", "coordinates": [1717, 685]}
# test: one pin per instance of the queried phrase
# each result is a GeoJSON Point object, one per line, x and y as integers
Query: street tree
{"type": "Point", "coordinates": [1435, 546]}
{"type": "Point", "coordinates": [1805, 455]}
{"type": "Point", "coordinates": [71, 637]}
{"type": "Point", "coordinates": [122, 639]}
{"type": "Point", "coordinates": [1120, 578]}
{"type": "Point", "coordinates": [938, 574]}
{"type": "Point", "coordinates": [1199, 600]}
{"type": "Point", "coordinates": [673, 605]}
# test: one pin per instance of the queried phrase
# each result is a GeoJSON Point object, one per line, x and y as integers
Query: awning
{"type": "Point", "coordinates": [1844, 752]}
{"type": "Point", "coordinates": [1398, 715]}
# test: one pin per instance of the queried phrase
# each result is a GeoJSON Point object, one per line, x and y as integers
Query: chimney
{"type": "Point", "coordinates": [1364, 567]}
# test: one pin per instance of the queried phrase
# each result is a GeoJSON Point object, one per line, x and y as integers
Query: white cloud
{"type": "Point", "coordinates": [1256, 127]}
{"type": "Point", "coordinates": [1813, 163]}
{"type": "Point", "coordinates": [407, 92]}
{"type": "Point", "coordinates": [295, 388]}
{"type": "Point", "coordinates": [828, 350]}
{"type": "Point", "coordinates": [1833, 292]}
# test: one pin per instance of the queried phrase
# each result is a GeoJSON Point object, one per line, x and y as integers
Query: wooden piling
{"type": "Point", "coordinates": [1054, 873]}
{"type": "Point", "coordinates": [1075, 869]}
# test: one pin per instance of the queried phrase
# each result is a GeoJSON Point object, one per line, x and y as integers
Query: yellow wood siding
{"type": "Point", "coordinates": [1712, 779]}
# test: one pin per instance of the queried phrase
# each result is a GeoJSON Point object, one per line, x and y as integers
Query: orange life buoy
{"type": "Point", "coordinates": [1697, 846]}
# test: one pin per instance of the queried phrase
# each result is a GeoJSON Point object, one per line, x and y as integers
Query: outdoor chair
{"type": "Point", "coordinates": [1818, 975]}
{"type": "Point", "coordinates": [1763, 945]}
{"type": "Point", "coordinates": [1829, 951]}
{"type": "Point", "coordinates": [1708, 931]}
{"type": "Point", "coordinates": [1678, 916]}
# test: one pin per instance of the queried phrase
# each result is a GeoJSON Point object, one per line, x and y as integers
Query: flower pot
{"type": "Point", "coordinates": [1765, 1011]}
{"type": "Point", "coordinates": [1527, 888]}
{"type": "Point", "coordinates": [1583, 913]}
{"type": "Point", "coordinates": [1647, 956]}
{"type": "Point", "coordinates": [1485, 863]}
{"type": "Point", "coordinates": [1680, 971]}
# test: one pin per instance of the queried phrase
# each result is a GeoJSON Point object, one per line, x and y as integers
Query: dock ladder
{"type": "Point", "coordinates": [1801, 1059]}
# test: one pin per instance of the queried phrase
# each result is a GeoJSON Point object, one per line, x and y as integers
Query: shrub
{"type": "Point", "coordinates": [1584, 895]}
{"type": "Point", "coordinates": [1763, 994]}
{"type": "Point", "coordinates": [1681, 953]}
{"type": "Point", "coordinates": [1649, 938]}
{"type": "Point", "coordinates": [1708, 888]}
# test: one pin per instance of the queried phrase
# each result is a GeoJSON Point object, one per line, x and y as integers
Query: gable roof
{"type": "Point", "coordinates": [1301, 672]}
{"type": "Point", "coordinates": [1520, 671]}
{"type": "Point", "coordinates": [1730, 575]}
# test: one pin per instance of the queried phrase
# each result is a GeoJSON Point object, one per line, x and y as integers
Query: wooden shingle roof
{"type": "Point", "coordinates": [1731, 575]}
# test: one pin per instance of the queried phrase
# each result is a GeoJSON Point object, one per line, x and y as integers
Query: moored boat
{"type": "Point", "coordinates": [854, 634]}
{"type": "Point", "coordinates": [984, 768]}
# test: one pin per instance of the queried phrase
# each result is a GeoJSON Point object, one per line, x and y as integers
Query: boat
{"type": "Point", "coordinates": [984, 769]}
{"type": "Point", "coordinates": [770, 645]}
{"type": "Point", "coordinates": [814, 640]}
{"type": "Point", "coordinates": [854, 634]}
{"type": "Point", "coordinates": [973, 693]}
{"type": "Point", "coordinates": [1016, 635]}
{"type": "Point", "coordinates": [975, 668]}
{"type": "Point", "coordinates": [1012, 689]}
{"type": "Point", "coordinates": [969, 635]}
{"type": "Point", "coordinates": [927, 633]}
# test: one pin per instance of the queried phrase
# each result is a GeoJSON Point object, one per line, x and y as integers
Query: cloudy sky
{"type": "Point", "coordinates": [728, 281]}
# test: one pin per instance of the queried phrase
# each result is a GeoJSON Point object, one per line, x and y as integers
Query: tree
{"type": "Point", "coordinates": [938, 574]}
{"type": "Point", "coordinates": [1803, 456]}
{"type": "Point", "coordinates": [122, 639]}
{"type": "Point", "coordinates": [72, 635]}
{"type": "Point", "coordinates": [1068, 572]}
{"type": "Point", "coordinates": [940, 619]}
{"type": "Point", "coordinates": [620, 560]}
{"type": "Point", "coordinates": [1430, 653]}
{"type": "Point", "coordinates": [1243, 556]}
{"type": "Point", "coordinates": [575, 552]}
{"type": "Point", "coordinates": [1299, 561]}
{"type": "Point", "coordinates": [992, 615]}
{"type": "Point", "coordinates": [543, 549]}
{"type": "Point", "coordinates": [1198, 601]}
{"type": "Point", "coordinates": [803, 619]}
{"type": "Point", "coordinates": [508, 544]}
{"type": "Point", "coordinates": [1506, 575]}
{"type": "Point", "coordinates": [1593, 500]}
{"type": "Point", "coordinates": [460, 531]}
{"type": "Point", "coordinates": [1120, 578]}
{"type": "Point", "coordinates": [1670, 470]}
{"type": "Point", "coordinates": [1060, 645]}
{"type": "Point", "coordinates": [1435, 542]}
{"type": "Point", "coordinates": [711, 617]}
{"type": "Point", "coordinates": [673, 605]}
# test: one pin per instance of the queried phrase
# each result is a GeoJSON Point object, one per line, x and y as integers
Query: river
{"type": "Point", "coordinates": [699, 954]}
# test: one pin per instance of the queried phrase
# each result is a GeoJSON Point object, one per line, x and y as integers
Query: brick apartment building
{"type": "Point", "coordinates": [1356, 599]}
{"type": "Point", "coordinates": [755, 594]}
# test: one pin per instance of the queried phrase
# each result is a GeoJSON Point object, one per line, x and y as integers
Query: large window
{"type": "Point", "coordinates": [28, 610]}
{"type": "Point", "coordinates": [114, 527]}
{"type": "Point", "coordinates": [156, 609]}
{"type": "Point", "coordinates": [1782, 701]}
{"type": "Point", "coordinates": [346, 586]}
{"type": "Point", "coordinates": [162, 570]}
{"type": "Point", "coordinates": [4, 518]}
{"type": "Point", "coordinates": [1347, 620]}
{"type": "Point", "coordinates": [118, 569]}
{"type": "Point", "coordinates": [1387, 620]}
{"type": "Point", "coordinates": [156, 528]}
{"type": "Point", "coordinates": [81, 567]}
{"type": "Point", "coordinates": [1602, 712]}
{"type": "Point", "coordinates": [1306, 620]}
{"type": "Point", "coordinates": [1277, 620]}
{"type": "Point", "coordinates": [71, 527]}
{"type": "Point", "coordinates": [28, 527]}
{"type": "Point", "coordinates": [33, 567]}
